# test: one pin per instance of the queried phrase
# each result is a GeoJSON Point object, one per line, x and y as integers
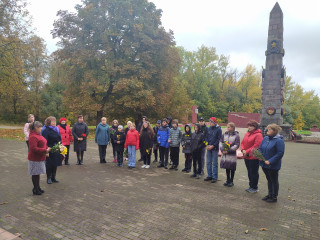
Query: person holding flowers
{"type": "Point", "coordinates": [119, 139]}
{"type": "Point", "coordinates": [146, 143]}
{"type": "Point", "coordinates": [113, 130]}
{"type": "Point", "coordinates": [132, 144]}
{"type": "Point", "coordinates": [272, 148]}
{"type": "Point", "coordinates": [229, 143]}
{"type": "Point", "coordinates": [37, 156]}
{"type": "Point", "coordinates": [251, 140]}
{"type": "Point", "coordinates": [66, 137]}
{"type": "Point", "coordinates": [52, 135]}
{"type": "Point", "coordinates": [102, 138]}
{"type": "Point", "coordinates": [27, 129]}
{"type": "Point", "coordinates": [80, 133]}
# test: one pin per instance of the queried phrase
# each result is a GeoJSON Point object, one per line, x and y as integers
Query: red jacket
{"type": "Point", "coordinates": [37, 147]}
{"type": "Point", "coordinates": [250, 141]}
{"type": "Point", "coordinates": [132, 139]}
{"type": "Point", "coordinates": [66, 135]}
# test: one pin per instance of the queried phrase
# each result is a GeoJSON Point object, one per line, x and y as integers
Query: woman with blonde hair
{"type": "Point", "coordinates": [272, 148]}
{"type": "Point", "coordinates": [27, 129]}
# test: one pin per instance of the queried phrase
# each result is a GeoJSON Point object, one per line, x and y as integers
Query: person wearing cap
{"type": "Point", "coordinates": [204, 130]}
{"type": "Point", "coordinates": [119, 139]}
{"type": "Point", "coordinates": [102, 138]}
{"type": "Point", "coordinates": [155, 141]}
{"type": "Point", "coordinates": [66, 137]}
{"type": "Point", "coordinates": [212, 140]}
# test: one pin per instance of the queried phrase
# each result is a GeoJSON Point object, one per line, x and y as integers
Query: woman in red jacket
{"type": "Point", "coordinates": [132, 143]}
{"type": "Point", "coordinates": [66, 137]}
{"type": "Point", "coordinates": [37, 156]}
{"type": "Point", "coordinates": [252, 140]}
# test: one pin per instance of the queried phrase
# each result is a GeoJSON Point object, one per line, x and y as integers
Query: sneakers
{"type": "Point", "coordinates": [272, 200]}
{"type": "Point", "coordinates": [198, 176]}
{"type": "Point", "coordinates": [226, 184]}
{"type": "Point", "coordinates": [213, 180]}
{"type": "Point", "coordinates": [165, 167]}
{"type": "Point", "coordinates": [265, 198]}
{"type": "Point", "coordinates": [208, 179]}
{"type": "Point", "coordinates": [160, 166]}
{"type": "Point", "coordinates": [143, 166]}
{"type": "Point", "coordinates": [188, 171]}
{"type": "Point", "coordinates": [252, 190]}
{"type": "Point", "coordinates": [193, 175]}
{"type": "Point", "coordinates": [147, 166]}
{"type": "Point", "coordinates": [230, 184]}
{"type": "Point", "coordinates": [155, 160]}
{"type": "Point", "coordinates": [184, 170]}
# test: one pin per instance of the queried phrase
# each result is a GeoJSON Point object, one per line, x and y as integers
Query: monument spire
{"type": "Point", "coordinates": [273, 76]}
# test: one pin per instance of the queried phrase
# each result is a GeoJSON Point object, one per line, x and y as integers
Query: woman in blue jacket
{"type": "Point", "coordinates": [272, 148]}
{"type": "Point", "coordinates": [102, 138]}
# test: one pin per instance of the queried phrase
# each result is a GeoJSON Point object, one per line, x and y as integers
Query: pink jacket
{"type": "Point", "coordinates": [26, 131]}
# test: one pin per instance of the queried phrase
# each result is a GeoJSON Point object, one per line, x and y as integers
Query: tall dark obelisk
{"type": "Point", "coordinates": [273, 76]}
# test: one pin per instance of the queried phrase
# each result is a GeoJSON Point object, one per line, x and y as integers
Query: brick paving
{"type": "Point", "coordinates": [102, 201]}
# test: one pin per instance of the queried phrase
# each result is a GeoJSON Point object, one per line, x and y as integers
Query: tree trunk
{"type": "Point", "coordinates": [99, 116]}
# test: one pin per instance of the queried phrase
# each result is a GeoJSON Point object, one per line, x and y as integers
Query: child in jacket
{"type": "Point", "coordinates": [163, 137]}
{"type": "Point", "coordinates": [119, 139]}
{"type": "Point", "coordinates": [175, 136]}
{"type": "Point", "coordinates": [132, 144]}
{"type": "Point", "coordinates": [197, 143]}
{"type": "Point", "coordinates": [186, 148]}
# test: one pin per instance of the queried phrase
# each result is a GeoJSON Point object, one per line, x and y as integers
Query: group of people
{"type": "Point", "coordinates": [164, 138]}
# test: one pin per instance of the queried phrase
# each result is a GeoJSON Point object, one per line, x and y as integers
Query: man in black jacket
{"type": "Point", "coordinates": [204, 130]}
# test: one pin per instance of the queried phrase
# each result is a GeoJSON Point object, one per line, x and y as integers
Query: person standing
{"type": "Point", "coordinates": [113, 130]}
{"type": "Point", "coordinates": [132, 144]}
{"type": "Point", "coordinates": [27, 129]}
{"type": "Point", "coordinates": [37, 156]}
{"type": "Point", "coordinates": [252, 140]}
{"type": "Point", "coordinates": [102, 138]}
{"type": "Point", "coordinates": [272, 148]}
{"type": "Point", "coordinates": [52, 135]}
{"type": "Point", "coordinates": [229, 143]}
{"type": "Point", "coordinates": [212, 140]}
{"type": "Point", "coordinates": [204, 130]}
{"type": "Point", "coordinates": [146, 142]}
{"type": "Point", "coordinates": [175, 136]}
{"type": "Point", "coordinates": [155, 141]}
{"type": "Point", "coordinates": [139, 127]}
{"type": "Point", "coordinates": [197, 143]}
{"type": "Point", "coordinates": [186, 148]}
{"type": "Point", "coordinates": [119, 139]}
{"type": "Point", "coordinates": [125, 132]}
{"type": "Point", "coordinates": [80, 132]}
{"type": "Point", "coordinates": [66, 137]}
{"type": "Point", "coordinates": [162, 138]}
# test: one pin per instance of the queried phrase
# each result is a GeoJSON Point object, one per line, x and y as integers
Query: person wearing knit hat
{"type": "Point", "coordinates": [212, 140]}
{"type": "Point", "coordinates": [66, 137]}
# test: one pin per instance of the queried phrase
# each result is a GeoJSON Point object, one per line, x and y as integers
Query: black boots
{"type": "Point", "coordinates": [53, 176]}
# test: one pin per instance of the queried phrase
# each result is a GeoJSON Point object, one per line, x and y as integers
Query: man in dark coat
{"type": "Point", "coordinates": [80, 133]}
{"type": "Point", "coordinates": [204, 130]}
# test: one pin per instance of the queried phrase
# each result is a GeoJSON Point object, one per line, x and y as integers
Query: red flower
{"type": "Point", "coordinates": [83, 135]}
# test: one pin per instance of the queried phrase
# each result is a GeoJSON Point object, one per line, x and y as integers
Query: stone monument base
{"type": "Point", "coordinates": [285, 133]}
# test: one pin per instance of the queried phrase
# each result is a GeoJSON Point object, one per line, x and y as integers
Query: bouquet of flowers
{"type": "Point", "coordinates": [112, 131]}
{"type": "Point", "coordinates": [256, 153]}
{"type": "Point", "coordinates": [59, 148]}
{"type": "Point", "coordinates": [118, 137]}
{"type": "Point", "coordinates": [148, 151]}
{"type": "Point", "coordinates": [83, 135]}
{"type": "Point", "coordinates": [226, 145]}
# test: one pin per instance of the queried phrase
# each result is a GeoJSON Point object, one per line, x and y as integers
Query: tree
{"type": "Point", "coordinates": [110, 46]}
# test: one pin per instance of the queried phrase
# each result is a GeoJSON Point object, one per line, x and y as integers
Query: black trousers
{"type": "Point", "coordinates": [230, 175]}
{"type": "Point", "coordinates": [253, 172]}
{"type": "Point", "coordinates": [164, 155]}
{"type": "Point", "coordinates": [155, 151]}
{"type": "Point", "coordinates": [51, 171]}
{"type": "Point", "coordinates": [36, 181]}
{"type": "Point", "coordinates": [188, 162]}
{"type": "Point", "coordinates": [273, 181]}
{"type": "Point", "coordinates": [120, 158]}
{"type": "Point", "coordinates": [146, 158]}
{"type": "Point", "coordinates": [102, 153]}
{"type": "Point", "coordinates": [66, 159]}
{"type": "Point", "coordinates": [196, 156]}
{"type": "Point", "coordinates": [174, 154]}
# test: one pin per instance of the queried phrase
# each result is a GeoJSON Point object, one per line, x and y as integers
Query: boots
{"type": "Point", "coordinates": [53, 176]}
{"type": "Point", "coordinates": [36, 191]}
{"type": "Point", "coordinates": [49, 175]}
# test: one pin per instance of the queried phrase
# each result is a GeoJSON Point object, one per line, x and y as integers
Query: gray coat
{"type": "Point", "coordinates": [229, 160]}
{"type": "Point", "coordinates": [175, 135]}
{"type": "Point", "coordinates": [77, 130]}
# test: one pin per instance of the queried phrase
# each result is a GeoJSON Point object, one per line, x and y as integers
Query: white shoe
{"type": "Point", "coordinates": [147, 166]}
{"type": "Point", "coordinates": [143, 166]}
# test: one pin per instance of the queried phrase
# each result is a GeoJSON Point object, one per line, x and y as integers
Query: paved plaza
{"type": "Point", "coordinates": [102, 201]}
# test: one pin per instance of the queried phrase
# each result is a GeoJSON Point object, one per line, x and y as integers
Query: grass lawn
{"type": "Point", "coordinates": [303, 132]}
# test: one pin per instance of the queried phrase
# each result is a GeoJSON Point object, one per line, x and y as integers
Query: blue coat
{"type": "Point", "coordinates": [163, 136]}
{"type": "Point", "coordinates": [102, 134]}
{"type": "Point", "coordinates": [272, 149]}
{"type": "Point", "coordinates": [213, 136]}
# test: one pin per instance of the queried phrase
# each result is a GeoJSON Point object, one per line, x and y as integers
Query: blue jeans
{"type": "Point", "coordinates": [131, 156]}
{"type": "Point", "coordinates": [212, 163]}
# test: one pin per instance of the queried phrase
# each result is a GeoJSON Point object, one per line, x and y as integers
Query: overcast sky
{"type": "Point", "coordinates": [235, 28]}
